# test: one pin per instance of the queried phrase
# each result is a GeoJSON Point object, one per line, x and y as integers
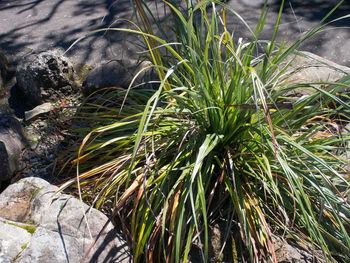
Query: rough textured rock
{"type": "Point", "coordinates": [286, 253]}
{"type": "Point", "coordinates": [13, 238]}
{"type": "Point", "coordinates": [46, 76]}
{"type": "Point", "coordinates": [51, 246]}
{"type": "Point", "coordinates": [117, 74]}
{"type": "Point", "coordinates": [4, 258]}
{"type": "Point", "coordinates": [61, 232]}
{"type": "Point", "coordinates": [312, 68]}
{"type": "Point", "coordinates": [12, 142]}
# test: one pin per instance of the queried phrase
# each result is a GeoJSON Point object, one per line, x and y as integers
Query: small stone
{"type": "Point", "coordinates": [42, 124]}
{"type": "Point", "coordinates": [39, 111]}
{"type": "Point", "coordinates": [33, 146]}
{"type": "Point", "coordinates": [25, 155]}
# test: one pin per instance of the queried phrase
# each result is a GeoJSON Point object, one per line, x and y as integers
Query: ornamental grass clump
{"type": "Point", "coordinates": [221, 139]}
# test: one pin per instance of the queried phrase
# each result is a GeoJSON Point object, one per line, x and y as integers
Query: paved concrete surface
{"type": "Point", "coordinates": [46, 24]}
{"type": "Point", "coordinates": [298, 17]}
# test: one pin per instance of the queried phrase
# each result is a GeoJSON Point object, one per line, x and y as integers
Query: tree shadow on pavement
{"type": "Point", "coordinates": [299, 17]}
{"type": "Point", "coordinates": [47, 24]}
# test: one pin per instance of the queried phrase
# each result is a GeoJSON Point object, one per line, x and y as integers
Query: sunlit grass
{"type": "Point", "coordinates": [222, 138]}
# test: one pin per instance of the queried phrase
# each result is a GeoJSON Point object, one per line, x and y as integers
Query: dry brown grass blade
{"type": "Point", "coordinates": [268, 117]}
{"type": "Point", "coordinates": [82, 158]}
{"type": "Point", "coordinates": [153, 238]}
{"type": "Point", "coordinates": [270, 245]}
{"type": "Point", "coordinates": [172, 226]}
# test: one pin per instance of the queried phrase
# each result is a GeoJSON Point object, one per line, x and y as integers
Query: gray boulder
{"type": "Point", "coordinates": [12, 142]}
{"type": "Point", "coordinates": [312, 68]}
{"type": "Point", "coordinates": [14, 237]}
{"type": "Point", "coordinates": [120, 74]}
{"type": "Point", "coordinates": [45, 77]}
{"type": "Point", "coordinates": [290, 253]}
{"type": "Point", "coordinates": [63, 228]}
{"type": "Point", "coordinates": [285, 252]}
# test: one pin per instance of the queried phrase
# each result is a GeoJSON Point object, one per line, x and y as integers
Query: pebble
{"type": "Point", "coordinates": [45, 137]}
{"type": "Point", "coordinates": [42, 124]}
{"type": "Point", "coordinates": [33, 146]}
